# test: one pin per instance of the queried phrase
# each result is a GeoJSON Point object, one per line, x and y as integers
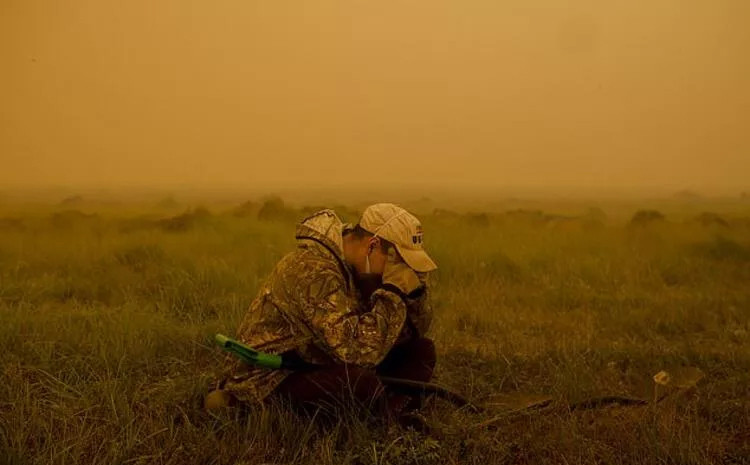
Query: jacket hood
{"type": "Point", "coordinates": [324, 227]}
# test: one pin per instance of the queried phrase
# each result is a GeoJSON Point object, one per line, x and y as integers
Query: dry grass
{"type": "Point", "coordinates": [106, 323]}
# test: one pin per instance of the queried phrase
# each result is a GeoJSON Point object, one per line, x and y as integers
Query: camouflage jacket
{"type": "Point", "coordinates": [309, 304]}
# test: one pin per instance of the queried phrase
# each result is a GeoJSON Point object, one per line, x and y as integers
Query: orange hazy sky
{"type": "Point", "coordinates": [623, 93]}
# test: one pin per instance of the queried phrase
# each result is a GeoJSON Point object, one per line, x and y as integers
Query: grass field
{"type": "Point", "coordinates": [107, 315]}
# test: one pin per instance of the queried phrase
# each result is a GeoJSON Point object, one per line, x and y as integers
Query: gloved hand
{"type": "Point", "coordinates": [398, 274]}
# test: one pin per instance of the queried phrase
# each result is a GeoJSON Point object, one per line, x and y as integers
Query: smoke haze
{"type": "Point", "coordinates": [625, 94]}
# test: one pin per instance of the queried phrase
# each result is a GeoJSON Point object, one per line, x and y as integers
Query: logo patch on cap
{"type": "Point", "coordinates": [417, 237]}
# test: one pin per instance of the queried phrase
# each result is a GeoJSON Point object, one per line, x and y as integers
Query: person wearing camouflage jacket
{"type": "Point", "coordinates": [316, 307]}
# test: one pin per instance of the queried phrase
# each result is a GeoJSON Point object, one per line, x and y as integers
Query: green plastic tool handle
{"type": "Point", "coordinates": [274, 362]}
{"type": "Point", "coordinates": [249, 355]}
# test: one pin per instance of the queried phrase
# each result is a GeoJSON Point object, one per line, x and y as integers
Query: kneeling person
{"type": "Point", "coordinates": [350, 301]}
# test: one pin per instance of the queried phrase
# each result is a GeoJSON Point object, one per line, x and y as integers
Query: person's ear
{"type": "Point", "coordinates": [373, 244]}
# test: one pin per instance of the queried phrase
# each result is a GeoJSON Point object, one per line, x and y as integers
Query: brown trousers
{"type": "Point", "coordinates": [343, 386]}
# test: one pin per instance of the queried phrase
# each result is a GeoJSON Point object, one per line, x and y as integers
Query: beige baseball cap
{"type": "Point", "coordinates": [401, 228]}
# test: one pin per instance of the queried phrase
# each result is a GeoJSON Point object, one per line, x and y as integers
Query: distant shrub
{"type": "Point", "coordinates": [185, 221]}
{"type": "Point", "coordinates": [201, 212]}
{"type": "Point", "coordinates": [72, 201]}
{"type": "Point", "coordinates": [711, 219]}
{"type": "Point", "coordinates": [167, 203]}
{"type": "Point", "coordinates": [177, 223]}
{"type": "Point", "coordinates": [525, 217]}
{"type": "Point", "coordinates": [274, 209]}
{"type": "Point", "coordinates": [646, 217]}
{"type": "Point", "coordinates": [246, 209]}
{"type": "Point", "coordinates": [724, 249]}
{"type": "Point", "coordinates": [68, 218]}
{"type": "Point", "coordinates": [443, 213]}
{"type": "Point", "coordinates": [564, 223]}
{"type": "Point", "coordinates": [481, 220]}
